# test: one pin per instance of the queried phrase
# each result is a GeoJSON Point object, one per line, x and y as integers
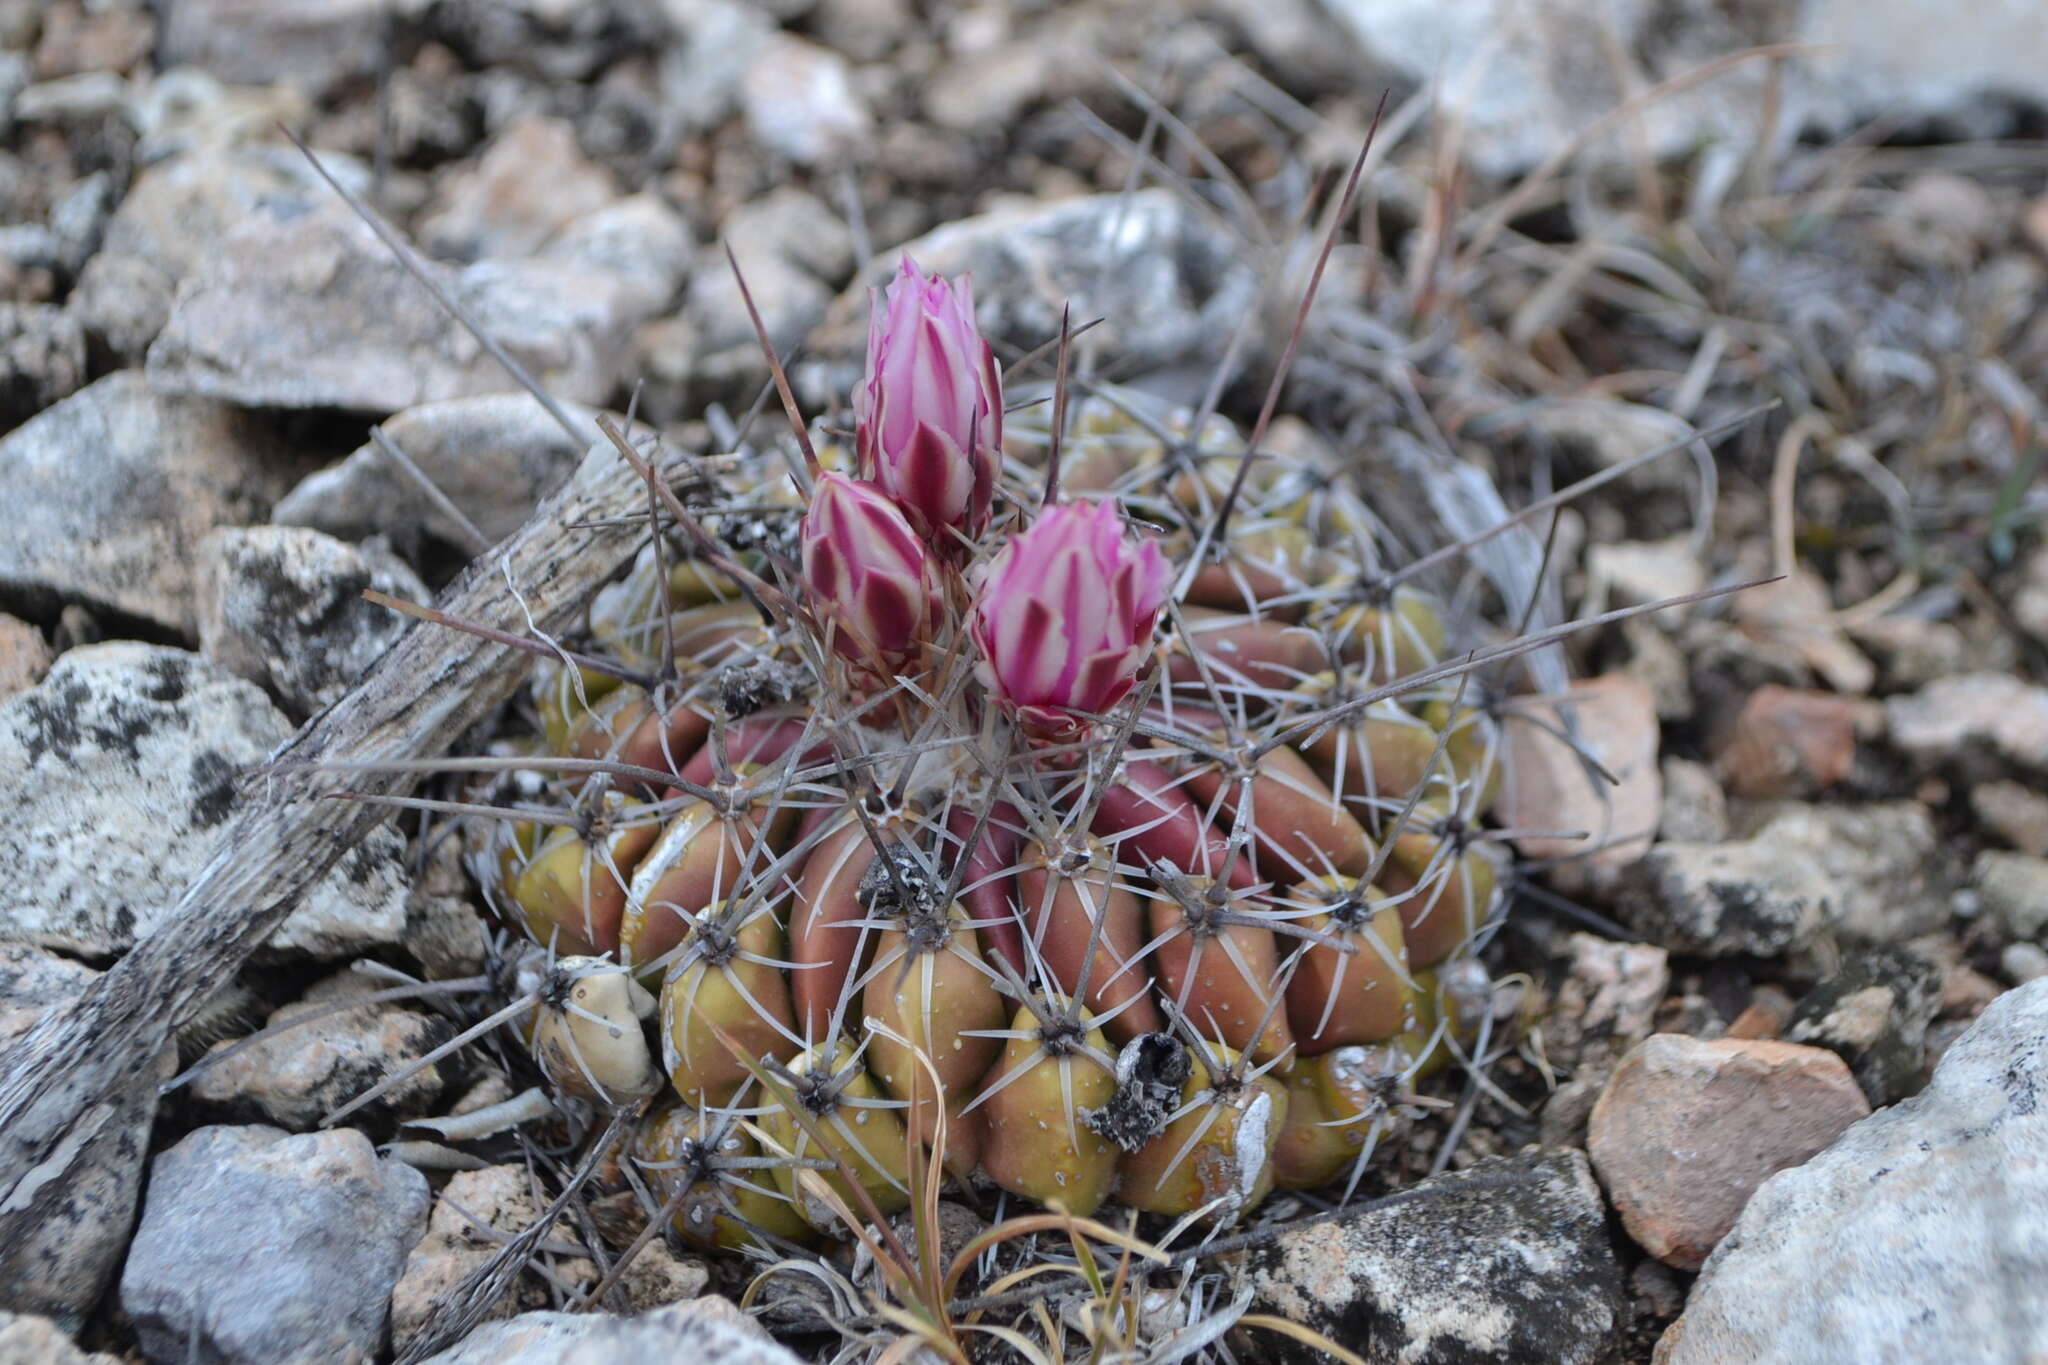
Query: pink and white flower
{"type": "Point", "coordinates": [867, 572]}
{"type": "Point", "coordinates": [929, 412]}
{"type": "Point", "coordinates": [1065, 614]}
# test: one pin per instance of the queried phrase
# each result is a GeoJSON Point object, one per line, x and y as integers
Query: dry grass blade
{"type": "Point", "coordinates": [1308, 1337]}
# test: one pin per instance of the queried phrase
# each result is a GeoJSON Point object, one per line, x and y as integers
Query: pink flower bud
{"type": "Point", "coordinates": [868, 574]}
{"type": "Point", "coordinates": [1065, 614]}
{"type": "Point", "coordinates": [929, 411]}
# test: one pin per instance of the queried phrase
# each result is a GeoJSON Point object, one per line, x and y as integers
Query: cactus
{"type": "Point", "coordinates": [1063, 789]}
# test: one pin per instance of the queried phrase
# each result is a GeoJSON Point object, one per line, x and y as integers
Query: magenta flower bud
{"type": "Point", "coordinates": [929, 412]}
{"type": "Point", "coordinates": [868, 573]}
{"type": "Point", "coordinates": [1065, 612]}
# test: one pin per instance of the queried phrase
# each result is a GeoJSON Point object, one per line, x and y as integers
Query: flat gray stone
{"type": "Point", "coordinates": [1868, 874]}
{"type": "Point", "coordinates": [297, 1076]}
{"type": "Point", "coordinates": [117, 775]}
{"type": "Point", "coordinates": [260, 1248]}
{"type": "Point", "coordinates": [177, 211]}
{"type": "Point", "coordinates": [1169, 283]}
{"type": "Point", "coordinates": [306, 309]}
{"type": "Point", "coordinates": [1917, 1236]}
{"type": "Point", "coordinates": [283, 607]}
{"type": "Point", "coordinates": [164, 472]}
{"type": "Point", "coordinates": [2014, 889]}
{"type": "Point", "coordinates": [26, 1339]}
{"type": "Point", "coordinates": [315, 46]}
{"type": "Point", "coordinates": [89, 1209]}
{"type": "Point", "coordinates": [495, 457]}
{"type": "Point", "coordinates": [1523, 81]}
{"type": "Point", "coordinates": [706, 1331]}
{"type": "Point", "coordinates": [523, 188]}
{"type": "Point", "coordinates": [1993, 712]}
{"type": "Point", "coordinates": [1520, 1273]}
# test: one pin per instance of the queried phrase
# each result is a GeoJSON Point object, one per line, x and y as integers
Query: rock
{"type": "Point", "coordinates": [1791, 743]}
{"type": "Point", "coordinates": [556, 40]}
{"type": "Point", "coordinates": [1607, 1002]}
{"type": "Point", "coordinates": [1695, 807]}
{"type": "Point", "coordinates": [795, 252]}
{"type": "Point", "coordinates": [24, 655]}
{"type": "Point", "coordinates": [1912, 651]}
{"type": "Point", "coordinates": [2029, 604]}
{"type": "Point", "coordinates": [2013, 812]}
{"type": "Point", "coordinates": [800, 103]}
{"type": "Point", "coordinates": [123, 301]}
{"type": "Point", "coordinates": [1874, 1012]}
{"type": "Point", "coordinates": [32, 980]}
{"type": "Point", "coordinates": [1519, 1273]}
{"type": "Point", "coordinates": [1637, 571]}
{"type": "Point", "coordinates": [1549, 788]}
{"type": "Point", "coordinates": [165, 472]}
{"type": "Point", "coordinates": [982, 91]}
{"type": "Point", "coordinates": [2014, 888]}
{"type": "Point", "coordinates": [315, 46]}
{"type": "Point", "coordinates": [296, 1078]}
{"type": "Point", "coordinates": [1983, 712]}
{"type": "Point", "coordinates": [709, 1329]}
{"type": "Point", "coordinates": [1764, 1017]}
{"type": "Point", "coordinates": [1658, 664]}
{"type": "Point", "coordinates": [1963, 77]}
{"type": "Point", "coordinates": [104, 37]}
{"type": "Point", "coordinates": [1523, 81]}
{"type": "Point", "coordinates": [1168, 282]}
{"type": "Point", "coordinates": [1727, 899]}
{"type": "Point", "coordinates": [42, 358]}
{"type": "Point", "coordinates": [283, 607]}
{"type": "Point", "coordinates": [865, 30]}
{"type": "Point", "coordinates": [79, 1243]}
{"type": "Point", "coordinates": [74, 102]}
{"type": "Point", "coordinates": [1686, 1130]}
{"type": "Point", "coordinates": [715, 44]}
{"type": "Point", "coordinates": [530, 181]}
{"type": "Point", "coordinates": [443, 932]}
{"type": "Point", "coordinates": [2023, 962]}
{"type": "Point", "coordinates": [1916, 1236]}
{"type": "Point", "coordinates": [174, 216]}
{"type": "Point", "coordinates": [116, 775]}
{"type": "Point", "coordinates": [82, 1219]}
{"type": "Point", "coordinates": [1884, 860]}
{"type": "Point", "coordinates": [1870, 874]}
{"type": "Point", "coordinates": [26, 1339]}
{"type": "Point", "coordinates": [714, 340]}
{"type": "Point", "coordinates": [498, 1199]}
{"type": "Point", "coordinates": [257, 1246]}
{"type": "Point", "coordinates": [310, 310]}
{"type": "Point", "coordinates": [640, 242]}
{"type": "Point", "coordinates": [494, 456]}
{"type": "Point", "coordinates": [1797, 613]}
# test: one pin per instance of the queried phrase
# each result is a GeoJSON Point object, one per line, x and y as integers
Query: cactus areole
{"type": "Point", "coordinates": [1081, 837]}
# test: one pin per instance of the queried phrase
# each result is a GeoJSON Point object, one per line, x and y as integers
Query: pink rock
{"type": "Point", "coordinates": [1550, 792]}
{"type": "Point", "coordinates": [1686, 1130]}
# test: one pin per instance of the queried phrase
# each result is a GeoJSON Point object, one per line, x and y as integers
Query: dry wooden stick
{"type": "Point", "coordinates": [63, 1083]}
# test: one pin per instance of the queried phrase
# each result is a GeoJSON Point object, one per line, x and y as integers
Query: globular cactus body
{"type": "Point", "coordinates": [942, 799]}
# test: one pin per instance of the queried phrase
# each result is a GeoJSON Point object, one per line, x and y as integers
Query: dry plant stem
{"type": "Point", "coordinates": [61, 1082]}
{"type": "Point", "coordinates": [459, 1310]}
